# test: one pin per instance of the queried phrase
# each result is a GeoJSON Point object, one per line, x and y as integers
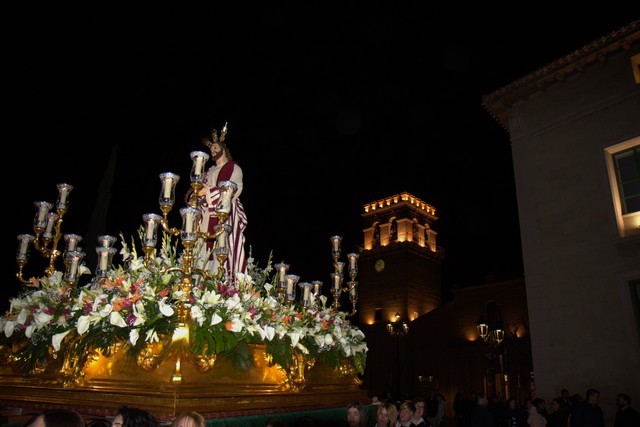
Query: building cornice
{"type": "Point", "coordinates": [498, 103]}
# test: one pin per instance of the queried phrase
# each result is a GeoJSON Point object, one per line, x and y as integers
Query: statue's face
{"type": "Point", "coordinates": [216, 151]}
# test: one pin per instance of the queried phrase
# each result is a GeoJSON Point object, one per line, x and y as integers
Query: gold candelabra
{"type": "Point", "coordinates": [311, 291]}
{"type": "Point", "coordinates": [337, 277]}
{"type": "Point", "coordinates": [47, 227]}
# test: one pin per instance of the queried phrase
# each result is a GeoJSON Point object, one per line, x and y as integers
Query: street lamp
{"type": "Point", "coordinates": [397, 328]}
{"type": "Point", "coordinates": [491, 333]}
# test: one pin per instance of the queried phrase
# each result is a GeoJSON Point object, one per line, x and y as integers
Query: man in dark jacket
{"type": "Point", "coordinates": [480, 415]}
{"type": "Point", "coordinates": [626, 416]}
{"type": "Point", "coordinates": [588, 413]}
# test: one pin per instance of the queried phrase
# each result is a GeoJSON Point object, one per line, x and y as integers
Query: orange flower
{"type": "Point", "coordinates": [164, 292]}
{"type": "Point", "coordinates": [134, 298]}
{"type": "Point", "coordinates": [228, 325]}
{"type": "Point", "coordinates": [287, 320]}
{"type": "Point", "coordinates": [325, 325]}
{"type": "Point", "coordinates": [117, 305]}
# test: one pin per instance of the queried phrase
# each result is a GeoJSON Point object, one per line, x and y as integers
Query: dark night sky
{"type": "Point", "coordinates": [329, 107]}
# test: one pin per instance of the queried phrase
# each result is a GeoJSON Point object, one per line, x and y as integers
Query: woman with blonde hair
{"type": "Point", "coordinates": [189, 419]}
{"type": "Point", "coordinates": [386, 415]}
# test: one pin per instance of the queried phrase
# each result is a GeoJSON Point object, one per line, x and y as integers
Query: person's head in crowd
{"type": "Point", "coordinates": [189, 419]}
{"type": "Point", "coordinates": [419, 403]}
{"type": "Point", "coordinates": [407, 411]}
{"type": "Point", "coordinates": [386, 415]}
{"type": "Point", "coordinates": [133, 417]}
{"type": "Point", "coordinates": [355, 415]}
{"type": "Point", "coordinates": [57, 418]}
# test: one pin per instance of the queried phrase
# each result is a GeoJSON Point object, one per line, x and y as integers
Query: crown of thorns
{"type": "Point", "coordinates": [215, 138]}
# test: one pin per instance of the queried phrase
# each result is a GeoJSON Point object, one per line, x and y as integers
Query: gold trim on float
{"type": "Point", "coordinates": [209, 385]}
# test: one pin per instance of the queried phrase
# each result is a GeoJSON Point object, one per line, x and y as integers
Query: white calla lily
{"type": "Point", "coordinates": [165, 308]}
{"type": "Point", "coordinates": [295, 337]}
{"type": "Point", "coordinates": [215, 319]}
{"type": "Point", "coordinates": [56, 340]}
{"type": "Point", "coordinates": [9, 328]}
{"type": "Point", "coordinates": [106, 310]}
{"type": "Point", "coordinates": [236, 325]}
{"type": "Point", "coordinates": [134, 335]}
{"type": "Point", "coordinates": [43, 319]}
{"type": "Point", "coordinates": [83, 324]}
{"type": "Point", "coordinates": [116, 319]}
{"type": "Point", "coordinates": [22, 317]}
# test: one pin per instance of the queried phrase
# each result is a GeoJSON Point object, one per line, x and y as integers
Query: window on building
{"type": "Point", "coordinates": [635, 294]}
{"type": "Point", "coordinates": [627, 164]}
{"type": "Point", "coordinates": [623, 164]}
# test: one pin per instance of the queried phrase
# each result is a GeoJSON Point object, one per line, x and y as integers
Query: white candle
{"type": "Point", "coordinates": [226, 202]}
{"type": "Point", "coordinates": [317, 285]}
{"type": "Point", "coordinates": [222, 238]}
{"type": "Point", "coordinates": [51, 219]}
{"type": "Point", "coordinates": [336, 281]}
{"type": "Point", "coordinates": [167, 188]}
{"type": "Point", "coordinates": [72, 242]}
{"type": "Point", "coordinates": [282, 272]}
{"type": "Point", "coordinates": [188, 220]}
{"type": "Point", "coordinates": [42, 213]}
{"type": "Point", "coordinates": [336, 243]}
{"type": "Point", "coordinates": [198, 165]}
{"type": "Point", "coordinates": [104, 259]}
{"type": "Point", "coordinates": [63, 196]}
{"type": "Point", "coordinates": [289, 286]}
{"type": "Point", "coordinates": [74, 266]}
{"type": "Point", "coordinates": [352, 261]}
{"type": "Point", "coordinates": [24, 246]}
{"type": "Point", "coordinates": [150, 229]}
{"type": "Point", "coordinates": [305, 295]}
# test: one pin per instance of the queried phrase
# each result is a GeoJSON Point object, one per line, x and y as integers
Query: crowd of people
{"type": "Point", "coordinates": [126, 416]}
{"type": "Point", "coordinates": [564, 411]}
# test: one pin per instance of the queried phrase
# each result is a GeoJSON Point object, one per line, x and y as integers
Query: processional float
{"type": "Point", "coordinates": [160, 331]}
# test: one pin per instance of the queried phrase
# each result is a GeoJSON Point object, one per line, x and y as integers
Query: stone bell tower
{"type": "Point", "coordinates": [400, 263]}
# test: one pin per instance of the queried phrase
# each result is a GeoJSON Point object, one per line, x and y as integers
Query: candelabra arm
{"type": "Point", "coordinates": [42, 248]}
{"type": "Point", "coordinates": [58, 233]}
{"type": "Point", "coordinates": [21, 264]}
{"type": "Point", "coordinates": [172, 269]}
{"type": "Point", "coordinates": [149, 254]}
{"type": "Point", "coordinates": [53, 255]}
{"type": "Point", "coordinates": [193, 197]}
{"type": "Point", "coordinates": [222, 217]}
{"type": "Point", "coordinates": [201, 272]}
{"type": "Point", "coordinates": [165, 221]}
{"type": "Point", "coordinates": [221, 260]}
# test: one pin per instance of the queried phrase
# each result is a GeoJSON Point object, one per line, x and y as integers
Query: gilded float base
{"type": "Point", "coordinates": [215, 389]}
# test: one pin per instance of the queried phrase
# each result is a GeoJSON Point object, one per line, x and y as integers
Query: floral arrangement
{"type": "Point", "coordinates": [138, 302]}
